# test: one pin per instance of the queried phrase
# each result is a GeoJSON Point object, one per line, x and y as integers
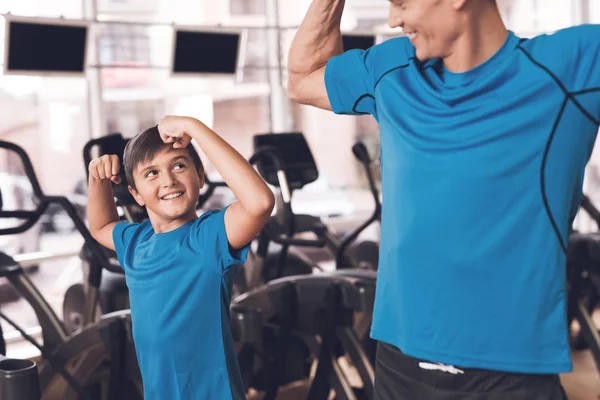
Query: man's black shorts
{"type": "Point", "coordinates": [400, 377]}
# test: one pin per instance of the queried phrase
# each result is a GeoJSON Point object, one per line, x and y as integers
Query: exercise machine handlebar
{"type": "Point", "coordinates": [362, 155]}
{"type": "Point", "coordinates": [31, 217]}
{"type": "Point", "coordinates": [268, 152]}
{"type": "Point", "coordinates": [590, 209]}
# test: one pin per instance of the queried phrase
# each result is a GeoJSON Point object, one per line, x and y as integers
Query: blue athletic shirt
{"type": "Point", "coordinates": [180, 291]}
{"type": "Point", "coordinates": [482, 176]}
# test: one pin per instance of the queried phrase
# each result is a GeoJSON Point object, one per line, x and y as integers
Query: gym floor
{"type": "Point", "coordinates": [54, 277]}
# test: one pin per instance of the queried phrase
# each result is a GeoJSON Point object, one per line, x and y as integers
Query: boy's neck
{"type": "Point", "coordinates": [484, 35]}
{"type": "Point", "coordinates": [161, 225]}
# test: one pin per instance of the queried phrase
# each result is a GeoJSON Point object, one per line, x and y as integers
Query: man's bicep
{"type": "Point", "coordinates": [311, 90]}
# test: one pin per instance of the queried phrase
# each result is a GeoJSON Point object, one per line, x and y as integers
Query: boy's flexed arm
{"type": "Point", "coordinates": [102, 210]}
{"type": "Point", "coordinates": [246, 217]}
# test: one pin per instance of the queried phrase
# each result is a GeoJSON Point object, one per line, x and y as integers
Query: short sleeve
{"type": "Point", "coordinates": [586, 87]}
{"type": "Point", "coordinates": [587, 57]}
{"type": "Point", "coordinates": [349, 83]}
{"type": "Point", "coordinates": [122, 234]}
{"type": "Point", "coordinates": [572, 56]}
{"type": "Point", "coordinates": [211, 237]}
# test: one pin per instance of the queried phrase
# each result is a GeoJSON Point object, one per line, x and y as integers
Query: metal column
{"type": "Point", "coordinates": [281, 120]}
{"type": "Point", "coordinates": [96, 118]}
{"type": "Point", "coordinates": [584, 9]}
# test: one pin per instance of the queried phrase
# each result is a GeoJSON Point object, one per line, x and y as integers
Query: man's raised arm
{"type": "Point", "coordinates": [318, 39]}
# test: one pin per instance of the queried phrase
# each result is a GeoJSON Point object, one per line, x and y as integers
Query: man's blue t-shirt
{"type": "Point", "coordinates": [180, 291]}
{"type": "Point", "coordinates": [482, 174]}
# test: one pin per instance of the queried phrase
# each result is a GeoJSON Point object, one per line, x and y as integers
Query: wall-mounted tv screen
{"type": "Point", "coordinates": [201, 52]}
{"type": "Point", "coordinates": [357, 41]}
{"type": "Point", "coordinates": [38, 46]}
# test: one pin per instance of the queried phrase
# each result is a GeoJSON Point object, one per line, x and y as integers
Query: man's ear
{"type": "Point", "coordinates": [459, 4]}
{"type": "Point", "coordinates": [136, 196]}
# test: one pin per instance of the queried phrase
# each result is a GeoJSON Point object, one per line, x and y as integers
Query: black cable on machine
{"type": "Point", "coordinates": [277, 364]}
{"type": "Point", "coordinates": [57, 365]}
{"type": "Point", "coordinates": [2, 343]}
{"type": "Point", "coordinates": [326, 322]}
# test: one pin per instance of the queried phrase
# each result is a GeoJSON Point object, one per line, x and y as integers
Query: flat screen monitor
{"type": "Point", "coordinates": [297, 158]}
{"type": "Point", "coordinates": [356, 41]}
{"type": "Point", "coordinates": [38, 46]}
{"type": "Point", "coordinates": [201, 52]}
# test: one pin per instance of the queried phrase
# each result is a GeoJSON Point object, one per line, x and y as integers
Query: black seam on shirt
{"type": "Point", "coordinates": [585, 91]}
{"type": "Point", "coordinates": [375, 87]}
{"type": "Point", "coordinates": [583, 110]}
{"type": "Point", "coordinates": [543, 171]}
{"type": "Point", "coordinates": [359, 100]}
{"type": "Point", "coordinates": [561, 85]}
{"type": "Point", "coordinates": [558, 82]}
{"type": "Point", "coordinates": [391, 70]}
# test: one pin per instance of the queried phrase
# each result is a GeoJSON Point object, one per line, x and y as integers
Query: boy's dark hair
{"type": "Point", "coordinates": [146, 146]}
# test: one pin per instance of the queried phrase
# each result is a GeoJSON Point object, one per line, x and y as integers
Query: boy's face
{"type": "Point", "coordinates": [168, 186]}
{"type": "Point", "coordinates": [432, 25]}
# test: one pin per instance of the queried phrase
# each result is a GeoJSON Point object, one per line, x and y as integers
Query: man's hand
{"type": "Point", "coordinates": [106, 167]}
{"type": "Point", "coordinates": [175, 129]}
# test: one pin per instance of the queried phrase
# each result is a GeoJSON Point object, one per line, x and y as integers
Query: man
{"type": "Point", "coordinates": [485, 137]}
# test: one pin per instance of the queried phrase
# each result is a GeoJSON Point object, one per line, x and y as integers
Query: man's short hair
{"type": "Point", "coordinates": [145, 147]}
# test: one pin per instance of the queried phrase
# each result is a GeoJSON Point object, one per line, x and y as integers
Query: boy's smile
{"type": "Point", "coordinates": [168, 186]}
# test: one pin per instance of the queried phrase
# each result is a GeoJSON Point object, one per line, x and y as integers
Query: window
{"type": "Point", "coordinates": [247, 7]}
{"type": "Point", "coordinates": [531, 17]}
{"type": "Point", "coordinates": [123, 44]}
{"type": "Point", "coordinates": [594, 11]}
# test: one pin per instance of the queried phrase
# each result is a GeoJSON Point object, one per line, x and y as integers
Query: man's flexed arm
{"type": "Point", "coordinates": [318, 39]}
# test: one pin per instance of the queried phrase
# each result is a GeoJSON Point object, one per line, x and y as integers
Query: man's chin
{"type": "Point", "coordinates": [421, 56]}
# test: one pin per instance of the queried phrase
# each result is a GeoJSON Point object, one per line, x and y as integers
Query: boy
{"type": "Point", "coordinates": [179, 268]}
{"type": "Point", "coordinates": [484, 137]}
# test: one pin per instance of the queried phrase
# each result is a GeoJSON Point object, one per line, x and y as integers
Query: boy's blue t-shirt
{"type": "Point", "coordinates": [180, 291]}
{"type": "Point", "coordinates": [482, 175]}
